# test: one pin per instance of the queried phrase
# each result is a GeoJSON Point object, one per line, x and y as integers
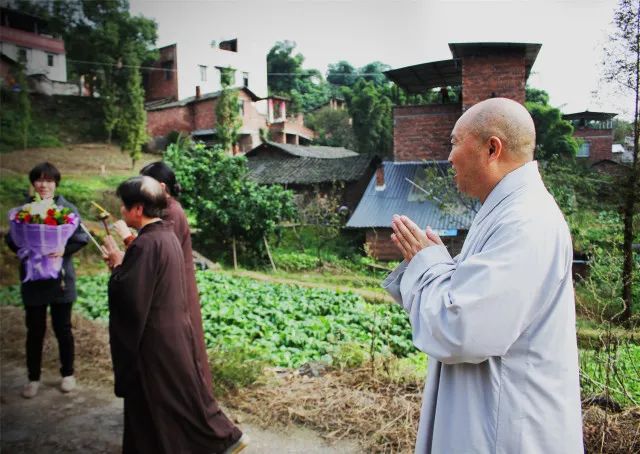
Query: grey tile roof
{"type": "Point", "coordinates": [314, 151]}
{"type": "Point", "coordinates": [308, 170]}
{"type": "Point", "coordinates": [186, 101]}
{"type": "Point", "coordinates": [376, 208]}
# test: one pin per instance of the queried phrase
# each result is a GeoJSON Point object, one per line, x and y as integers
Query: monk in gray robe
{"type": "Point", "coordinates": [168, 406]}
{"type": "Point", "coordinates": [498, 320]}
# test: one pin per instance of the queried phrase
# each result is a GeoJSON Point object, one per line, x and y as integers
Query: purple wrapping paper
{"type": "Point", "coordinates": [36, 241]}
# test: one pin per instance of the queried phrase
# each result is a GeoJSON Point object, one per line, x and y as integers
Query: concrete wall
{"type": "Point", "coordinates": [37, 59]}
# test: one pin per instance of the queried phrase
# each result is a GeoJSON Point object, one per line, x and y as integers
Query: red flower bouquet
{"type": "Point", "coordinates": [39, 229]}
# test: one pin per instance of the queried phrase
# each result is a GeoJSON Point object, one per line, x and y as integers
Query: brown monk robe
{"type": "Point", "coordinates": [168, 406]}
{"type": "Point", "coordinates": [175, 214]}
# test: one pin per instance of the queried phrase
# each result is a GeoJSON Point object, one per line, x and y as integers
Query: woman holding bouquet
{"type": "Point", "coordinates": [47, 276]}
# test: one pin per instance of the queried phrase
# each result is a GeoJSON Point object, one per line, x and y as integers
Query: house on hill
{"type": "Point", "coordinates": [596, 131]}
{"type": "Point", "coordinates": [313, 170]}
{"type": "Point", "coordinates": [25, 40]}
{"type": "Point", "coordinates": [181, 93]}
{"type": "Point", "coordinates": [421, 134]}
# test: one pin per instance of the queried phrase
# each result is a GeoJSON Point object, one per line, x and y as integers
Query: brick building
{"type": "Point", "coordinates": [181, 92]}
{"type": "Point", "coordinates": [596, 131]}
{"type": "Point", "coordinates": [421, 133]}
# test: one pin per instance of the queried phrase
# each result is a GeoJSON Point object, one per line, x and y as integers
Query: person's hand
{"type": "Point", "coordinates": [122, 229]}
{"type": "Point", "coordinates": [409, 238]}
{"type": "Point", "coordinates": [112, 255]}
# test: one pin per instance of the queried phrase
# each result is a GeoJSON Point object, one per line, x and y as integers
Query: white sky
{"type": "Point", "coordinates": [407, 32]}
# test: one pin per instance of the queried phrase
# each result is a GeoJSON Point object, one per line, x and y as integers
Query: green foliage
{"type": "Point", "coordinates": [225, 202]}
{"type": "Point", "coordinates": [295, 261]}
{"type": "Point", "coordinates": [109, 44]}
{"type": "Point", "coordinates": [536, 96]}
{"type": "Point", "coordinates": [233, 368]}
{"type": "Point", "coordinates": [333, 127]}
{"type": "Point", "coordinates": [228, 121]}
{"type": "Point", "coordinates": [554, 136]}
{"type": "Point", "coordinates": [614, 373]}
{"type": "Point", "coordinates": [342, 73]}
{"type": "Point", "coordinates": [371, 110]}
{"type": "Point", "coordinates": [285, 76]}
{"type": "Point", "coordinates": [24, 108]}
{"type": "Point", "coordinates": [621, 130]}
{"type": "Point", "coordinates": [132, 125]}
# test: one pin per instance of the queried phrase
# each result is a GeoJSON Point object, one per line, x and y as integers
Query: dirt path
{"type": "Point", "coordinates": [89, 420]}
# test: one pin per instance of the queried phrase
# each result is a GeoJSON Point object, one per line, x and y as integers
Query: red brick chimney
{"type": "Point", "coordinates": [380, 185]}
{"type": "Point", "coordinates": [197, 91]}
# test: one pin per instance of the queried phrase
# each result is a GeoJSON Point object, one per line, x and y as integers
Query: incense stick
{"type": "Point", "coordinates": [92, 238]}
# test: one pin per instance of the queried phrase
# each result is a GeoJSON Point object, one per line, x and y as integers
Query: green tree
{"type": "Point", "coordinates": [333, 127]}
{"type": "Point", "coordinates": [342, 74]}
{"type": "Point", "coordinates": [622, 66]}
{"type": "Point", "coordinates": [554, 136]}
{"type": "Point", "coordinates": [283, 67]}
{"type": "Point", "coordinates": [103, 42]}
{"type": "Point", "coordinates": [374, 72]}
{"type": "Point", "coordinates": [621, 130]}
{"type": "Point", "coordinates": [371, 110]}
{"type": "Point", "coordinates": [227, 205]}
{"type": "Point", "coordinates": [286, 77]}
{"type": "Point", "coordinates": [228, 121]}
{"type": "Point", "coordinates": [132, 124]}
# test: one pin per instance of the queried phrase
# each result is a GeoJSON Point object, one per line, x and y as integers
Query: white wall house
{"type": "Point", "coordinates": [198, 65]}
{"type": "Point", "coordinates": [23, 39]}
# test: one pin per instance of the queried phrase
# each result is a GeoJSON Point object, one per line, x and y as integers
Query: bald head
{"type": "Point", "coordinates": [506, 119]}
{"type": "Point", "coordinates": [145, 191]}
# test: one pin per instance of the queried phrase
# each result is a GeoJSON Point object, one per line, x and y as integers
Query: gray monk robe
{"type": "Point", "coordinates": [498, 324]}
{"type": "Point", "coordinates": [168, 406]}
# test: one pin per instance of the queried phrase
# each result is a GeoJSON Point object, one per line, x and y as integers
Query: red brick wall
{"type": "Point", "coordinates": [162, 122]}
{"type": "Point", "coordinates": [157, 87]}
{"type": "Point", "coordinates": [491, 76]}
{"type": "Point", "coordinates": [422, 132]}
{"type": "Point", "coordinates": [601, 141]}
{"type": "Point", "coordinates": [204, 113]}
{"type": "Point", "coordinates": [382, 248]}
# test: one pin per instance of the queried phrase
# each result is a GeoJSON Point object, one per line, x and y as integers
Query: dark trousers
{"type": "Point", "coordinates": [36, 320]}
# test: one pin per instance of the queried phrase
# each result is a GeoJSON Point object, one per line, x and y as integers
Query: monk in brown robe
{"type": "Point", "coordinates": [168, 407]}
{"type": "Point", "coordinates": [174, 213]}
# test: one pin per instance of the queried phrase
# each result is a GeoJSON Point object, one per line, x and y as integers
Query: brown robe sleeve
{"type": "Point", "coordinates": [131, 294]}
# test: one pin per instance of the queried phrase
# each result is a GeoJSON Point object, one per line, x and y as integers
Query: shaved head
{"type": "Point", "coordinates": [506, 119]}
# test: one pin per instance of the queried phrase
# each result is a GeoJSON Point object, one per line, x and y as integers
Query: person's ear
{"type": "Point", "coordinates": [495, 148]}
{"type": "Point", "coordinates": [139, 209]}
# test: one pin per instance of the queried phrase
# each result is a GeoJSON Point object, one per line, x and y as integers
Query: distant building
{"type": "Point", "coordinates": [421, 134]}
{"type": "Point", "coordinates": [595, 129]}
{"type": "Point", "coordinates": [179, 73]}
{"type": "Point", "coordinates": [182, 92]}
{"type": "Point", "coordinates": [25, 39]}
{"type": "Point", "coordinates": [313, 170]}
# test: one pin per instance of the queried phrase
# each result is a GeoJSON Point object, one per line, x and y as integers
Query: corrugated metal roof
{"type": "Point", "coordinates": [308, 170]}
{"type": "Point", "coordinates": [376, 208]}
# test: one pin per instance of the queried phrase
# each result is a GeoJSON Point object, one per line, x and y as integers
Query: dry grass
{"type": "Point", "coordinates": [74, 160]}
{"type": "Point", "coordinates": [381, 414]}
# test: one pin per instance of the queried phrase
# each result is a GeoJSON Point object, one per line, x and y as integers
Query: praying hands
{"type": "Point", "coordinates": [410, 239]}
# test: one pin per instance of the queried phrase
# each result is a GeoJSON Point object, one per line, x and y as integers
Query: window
{"type": "Point", "coordinates": [22, 54]}
{"type": "Point", "coordinates": [50, 61]}
{"type": "Point", "coordinates": [230, 45]}
{"type": "Point", "coordinates": [167, 67]}
{"type": "Point", "coordinates": [245, 80]}
{"type": "Point", "coordinates": [584, 150]}
{"type": "Point", "coordinates": [203, 73]}
{"type": "Point", "coordinates": [241, 108]}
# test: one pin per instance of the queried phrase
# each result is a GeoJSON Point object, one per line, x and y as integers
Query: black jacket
{"type": "Point", "coordinates": [62, 289]}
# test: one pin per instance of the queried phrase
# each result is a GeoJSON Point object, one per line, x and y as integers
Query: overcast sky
{"type": "Point", "coordinates": [406, 32]}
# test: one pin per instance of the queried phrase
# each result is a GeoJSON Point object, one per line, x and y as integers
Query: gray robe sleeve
{"type": "Point", "coordinates": [468, 311]}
